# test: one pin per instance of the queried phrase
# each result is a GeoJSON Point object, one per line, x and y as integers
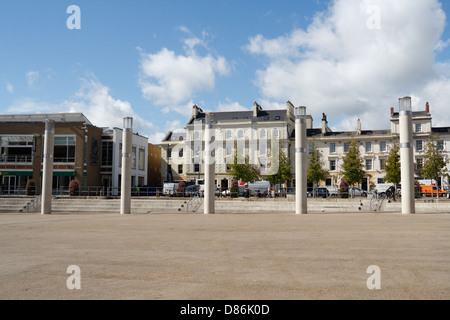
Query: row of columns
{"type": "Point", "coordinates": [406, 159]}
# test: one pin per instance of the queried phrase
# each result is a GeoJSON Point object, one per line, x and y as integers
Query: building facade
{"type": "Point", "coordinates": [82, 151]}
{"type": "Point", "coordinates": [259, 133]}
{"type": "Point", "coordinates": [76, 151]}
{"type": "Point", "coordinates": [111, 166]}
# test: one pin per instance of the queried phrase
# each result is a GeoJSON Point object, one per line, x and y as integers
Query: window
{"type": "Point", "coordinates": [419, 145]}
{"type": "Point", "coordinates": [277, 118]}
{"type": "Point", "coordinates": [107, 153]}
{"type": "Point", "coordinates": [440, 144]}
{"type": "Point", "coordinates": [240, 134]}
{"type": "Point", "coordinates": [196, 167]}
{"type": "Point", "coordinates": [418, 127]}
{"type": "Point", "coordinates": [133, 157]}
{"type": "Point", "coordinates": [229, 150]}
{"type": "Point", "coordinates": [310, 148]}
{"type": "Point", "coordinates": [169, 152]}
{"type": "Point", "coordinates": [275, 133]}
{"type": "Point", "coordinates": [332, 165]}
{"type": "Point", "coordinates": [419, 163]}
{"type": "Point", "coordinates": [141, 158]}
{"type": "Point", "coordinates": [382, 164]}
{"type": "Point", "coordinates": [228, 134]}
{"type": "Point", "coordinates": [64, 150]}
{"type": "Point", "coordinates": [382, 146]}
{"type": "Point", "coordinates": [262, 134]}
{"type": "Point", "coordinates": [346, 147]}
{"type": "Point", "coordinates": [368, 146]}
{"type": "Point", "coordinates": [180, 153]}
{"type": "Point", "coordinates": [262, 149]}
{"type": "Point", "coordinates": [368, 164]}
{"type": "Point", "coordinates": [16, 149]}
{"type": "Point", "coordinates": [180, 169]}
{"type": "Point", "coordinates": [332, 147]}
{"type": "Point", "coordinates": [196, 135]}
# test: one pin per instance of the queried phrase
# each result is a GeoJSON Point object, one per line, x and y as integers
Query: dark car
{"type": "Point", "coordinates": [192, 190]}
{"type": "Point", "coordinates": [321, 192]}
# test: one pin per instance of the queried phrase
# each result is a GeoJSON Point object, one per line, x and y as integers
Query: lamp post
{"type": "Point", "coordinates": [209, 167]}
{"type": "Point", "coordinates": [406, 155]}
{"type": "Point", "coordinates": [127, 140]}
{"type": "Point", "coordinates": [300, 160]}
{"type": "Point", "coordinates": [47, 174]}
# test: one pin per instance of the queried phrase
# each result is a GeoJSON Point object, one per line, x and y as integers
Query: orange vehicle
{"type": "Point", "coordinates": [431, 190]}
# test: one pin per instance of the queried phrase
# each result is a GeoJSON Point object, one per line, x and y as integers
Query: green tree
{"type": "Point", "coordinates": [283, 175]}
{"type": "Point", "coordinates": [352, 165]}
{"type": "Point", "coordinates": [434, 160]}
{"type": "Point", "coordinates": [242, 170]}
{"type": "Point", "coordinates": [393, 172]}
{"type": "Point", "coordinates": [315, 172]}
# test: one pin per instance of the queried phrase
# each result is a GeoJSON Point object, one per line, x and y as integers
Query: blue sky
{"type": "Point", "coordinates": [154, 59]}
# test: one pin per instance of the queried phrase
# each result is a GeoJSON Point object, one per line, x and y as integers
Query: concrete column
{"type": "Point", "coordinates": [406, 155]}
{"type": "Point", "coordinates": [210, 166]}
{"type": "Point", "coordinates": [300, 160]}
{"type": "Point", "coordinates": [125, 187]}
{"type": "Point", "coordinates": [47, 174]}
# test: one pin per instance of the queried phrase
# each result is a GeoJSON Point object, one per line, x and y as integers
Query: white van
{"type": "Point", "coordinates": [383, 187]}
{"type": "Point", "coordinates": [261, 187]}
{"type": "Point", "coordinates": [169, 188]}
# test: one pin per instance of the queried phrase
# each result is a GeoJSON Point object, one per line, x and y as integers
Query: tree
{"type": "Point", "coordinates": [243, 170]}
{"type": "Point", "coordinates": [315, 171]}
{"type": "Point", "coordinates": [393, 172]}
{"type": "Point", "coordinates": [434, 160]}
{"type": "Point", "coordinates": [283, 175]}
{"type": "Point", "coordinates": [352, 165]}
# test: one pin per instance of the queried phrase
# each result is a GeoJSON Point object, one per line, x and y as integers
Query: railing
{"type": "Point", "coordinates": [195, 203]}
{"type": "Point", "coordinates": [34, 204]}
{"type": "Point", "coordinates": [16, 159]}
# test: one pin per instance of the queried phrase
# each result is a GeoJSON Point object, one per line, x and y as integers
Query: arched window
{"type": "Point", "coordinates": [180, 153]}
{"type": "Point", "coordinates": [275, 133]}
{"type": "Point", "coordinates": [196, 135]}
{"type": "Point", "coordinates": [240, 134]}
{"type": "Point", "coordinates": [262, 134]}
{"type": "Point", "coordinates": [228, 134]}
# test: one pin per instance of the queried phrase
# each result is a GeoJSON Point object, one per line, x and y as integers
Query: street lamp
{"type": "Point", "coordinates": [300, 160]}
{"type": "Point", "coordinates": [406, 155]}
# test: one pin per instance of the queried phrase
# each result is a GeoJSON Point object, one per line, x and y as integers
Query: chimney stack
{"type": "Point", "coordinates": [427, 108]}
{"type": "Point", "coordinates": [358, 126]}
{"type": "Point", "coordinates": [324, 123]}
{"type": "Point", "coordinates": [392, 111]}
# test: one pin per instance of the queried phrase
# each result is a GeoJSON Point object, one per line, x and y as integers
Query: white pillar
{"type": "Point", "coordinates": [125, 187]}
{"type": "Point", "coordinates": [300, 160]}
{"type": "Point", "coordinates": [47, 174]}
{"type": "Point", "coordinates": [210, 166]}
{"type": "Point", "coordinates": [406, 155]}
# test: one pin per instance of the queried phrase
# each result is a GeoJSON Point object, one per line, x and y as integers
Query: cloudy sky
{"type": "Point", "coordinates": [153, 60]}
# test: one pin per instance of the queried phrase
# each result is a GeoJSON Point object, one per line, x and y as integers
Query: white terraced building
{"type": "Point", "coordinates": [256, 133]}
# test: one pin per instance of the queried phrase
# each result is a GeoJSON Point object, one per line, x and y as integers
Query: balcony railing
{"type": "Point", "coordinates": [16, 159]}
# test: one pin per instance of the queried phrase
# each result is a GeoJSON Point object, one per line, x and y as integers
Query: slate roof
{"type": "Point", "coordinates": [263, 115]}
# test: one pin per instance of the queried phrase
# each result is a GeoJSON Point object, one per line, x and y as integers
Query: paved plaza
{"type": "Point", "coordinates": [268, 256]}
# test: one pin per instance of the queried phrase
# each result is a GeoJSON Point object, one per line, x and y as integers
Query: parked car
{"type": "Point", "coordinates": [356, 192]}
{"type": "Point", "coordinates": [321, 192]}
{"type": "Point", "coordinates": [383, 187]}
{"type": "Point", "coordinates": [332, 191]}
{"type": "Point", "coordinates": [192, 190]}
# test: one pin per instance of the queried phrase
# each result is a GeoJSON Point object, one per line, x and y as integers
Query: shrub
{"type": "Point", "coordinates": [74, 188]}
{"type": "Point", "coordinates": [30, 188]}
{"type": "Point", "coordinates": [180, 189]}
{"type": "Point", "coordinates": [343, 189]}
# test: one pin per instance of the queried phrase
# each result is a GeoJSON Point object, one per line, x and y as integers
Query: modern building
{"type": "Point", "coordinates": [76, 152]}
{"type": "Point", "coordinates": [82, 151]}
{"type": "Point", "coordinates": [259, 133]}
{"type": "Point", "coordinates": [111, 164]}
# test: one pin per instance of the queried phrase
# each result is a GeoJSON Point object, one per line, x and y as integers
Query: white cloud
{"type": "Point", "coordinates": [95, 101]}
{"type": "Point", "coordinates": [171, 79]}
{"type": "Point", "coordinates": [32, 77]}
{"type": "Point", "coordinates": [9, 87]}
{"type": "Point", "coordinates": [231, 106]}
{"type": "Point", "coordinates": [340, 66]}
